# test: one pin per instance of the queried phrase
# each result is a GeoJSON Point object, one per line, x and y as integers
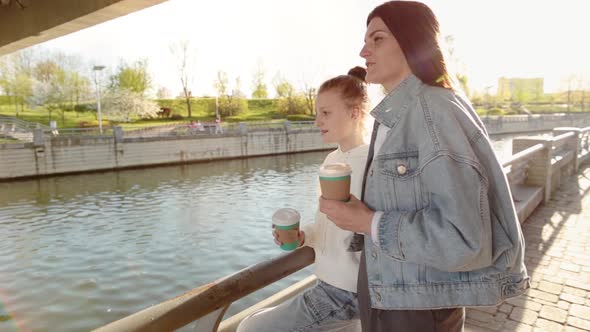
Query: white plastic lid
{"type": "Point", "coordinates": [335, 169]}
{"type": "Point", "coordinates": [285, 217]}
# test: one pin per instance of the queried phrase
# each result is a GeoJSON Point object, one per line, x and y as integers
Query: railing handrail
{"type": "Point", "coordinates": [523, 155]}
{"type": "Point", "coordinates": [184, 309]}
{"type": "Point", "coordinates": [563, 137]}
{"type": "Point", "coordinates": [528, 152]}
{"type": "Point", "coordinates": [21, 123]}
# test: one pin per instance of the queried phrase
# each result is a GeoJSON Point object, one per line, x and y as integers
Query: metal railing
{"type": "Point", "coordinates": [20, 124]}
{"type": "Point", "coordinates": [19, 130]}
{"type": "Point", "coordinates": [23, 130]}
{"type": "Point", "coordinates": [81, 132]}
{"type": "Point", "coordinates": [201, 129]}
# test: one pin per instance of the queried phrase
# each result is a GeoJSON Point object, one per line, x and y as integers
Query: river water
{"type": "Point", "coordinates": [80, 251]}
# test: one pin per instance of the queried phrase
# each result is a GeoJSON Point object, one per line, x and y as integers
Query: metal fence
{"type": "Point", "coordinates": [22, 131]}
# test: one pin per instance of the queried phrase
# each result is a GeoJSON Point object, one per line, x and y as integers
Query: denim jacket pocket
{"type": "Point", "coordinates": [400, 172]}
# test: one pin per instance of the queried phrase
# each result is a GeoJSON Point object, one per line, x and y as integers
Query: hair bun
{"type": "Point", "coordinates": [358, 72]}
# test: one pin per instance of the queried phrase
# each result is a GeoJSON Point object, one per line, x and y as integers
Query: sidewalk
{"type": "Point", "coordinates": [558, 260]}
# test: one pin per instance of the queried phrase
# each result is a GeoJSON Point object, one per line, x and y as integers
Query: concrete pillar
{"type": "Point", "coordinates": [539, 172]}
{"type": "Point", "coordinates": [573, 144]}
{"type": "Point", "coordinates": [243, 128]}
{"type": "Point", "coordinates": [287, 125]}
{"type": "Point", "coordinates": [118, 133]}
{"type": "Point", "coordinates": [38, 138]}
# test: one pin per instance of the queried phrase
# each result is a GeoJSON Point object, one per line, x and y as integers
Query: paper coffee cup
{"type": "Point", "coordinates": [335, 181]}
{"type": "Point", "coordinates": [286, 222]}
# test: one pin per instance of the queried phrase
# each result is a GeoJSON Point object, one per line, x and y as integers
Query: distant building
{"type": "Point", "coordinates": [520, 89]}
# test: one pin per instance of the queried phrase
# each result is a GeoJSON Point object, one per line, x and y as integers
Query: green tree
{"type": "Point", "coordinates": [290, 102]}
{"type": "Point", "coordinates": [53, 88]}
{"type": "Point", "coordinates": [59, 85]}
{"type": "Point", "coordinates": [15, 78]}
{"type": "Point", "coordinates": [229, 104]}
{"type": "Point", "coordinates": [134, 77]}
{"type": "Point", "coordinates": [221, 83]}
{"type": "Point", "coordinates": [80, 88]}
{"type": "Point", "coordinates": [258, 86]}
{"type": "Point", "coordinates": [309, 92]}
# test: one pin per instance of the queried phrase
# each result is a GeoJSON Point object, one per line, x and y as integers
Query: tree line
{"type": "Point", "coordinates": [58, 83]}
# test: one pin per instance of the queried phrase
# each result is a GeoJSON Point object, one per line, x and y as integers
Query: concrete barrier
{"type": "Point", "coordinates": [75, 154]}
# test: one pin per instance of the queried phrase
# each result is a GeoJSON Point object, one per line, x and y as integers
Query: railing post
{"type": "Point", "coordinates": [539, 172]}
{"type": "Point", "coordinates": [573, 144]}
{"type": "Point", "coordinates": [243, 128]}
{"type": "Point", "coordinates": [287, 125]}
{"type": "Point", "coordinates": [38, 138]}
{"type": "Point", "coordinates": [118, 133]}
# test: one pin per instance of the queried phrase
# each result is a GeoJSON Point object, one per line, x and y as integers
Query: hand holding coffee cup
{"type": "Point", "coordinates": [285, 222]}
{"type": "Point", "coordinates": [335, 181]}
{"type": "Point", "coordinates": [300, 237]}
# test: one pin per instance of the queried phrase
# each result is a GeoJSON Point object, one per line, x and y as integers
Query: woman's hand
{"type": "Point", "coordinates": [352, 216]}
{"type": "Point", "coordinates": [300, 237]}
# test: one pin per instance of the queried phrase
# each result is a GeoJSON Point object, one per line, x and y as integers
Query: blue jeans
{"type": "Point", "coordinates": [320, 308]}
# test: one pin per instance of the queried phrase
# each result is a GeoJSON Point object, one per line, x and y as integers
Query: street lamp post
{"type": "Point", "coordinates": [96, 69]}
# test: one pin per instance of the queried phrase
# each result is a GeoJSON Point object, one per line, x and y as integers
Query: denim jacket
{"type": "Point", "coordinates": [449, 235]}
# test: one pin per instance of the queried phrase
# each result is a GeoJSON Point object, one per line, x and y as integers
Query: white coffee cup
{"type": "Point", "coordinates": [286, 223]}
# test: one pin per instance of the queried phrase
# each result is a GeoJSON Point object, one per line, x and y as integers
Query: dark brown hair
{"type": "Point", "coordinates": [352, 87]}
{"type": "Point", "coordinates": [416, 29]}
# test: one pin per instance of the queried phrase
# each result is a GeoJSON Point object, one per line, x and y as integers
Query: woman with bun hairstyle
{"type": "Point", "coordinates": [331, 305]}
{"type": "Point", "coordinates": [439, 224]}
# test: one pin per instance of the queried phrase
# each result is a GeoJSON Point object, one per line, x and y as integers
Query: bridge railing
{"type": "Point", "coordinates": [534, 171]}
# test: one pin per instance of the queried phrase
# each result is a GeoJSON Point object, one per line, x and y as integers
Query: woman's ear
{"type": "Point", "coordinates": [356, 112]}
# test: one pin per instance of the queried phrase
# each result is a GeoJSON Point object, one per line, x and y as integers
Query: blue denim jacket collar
{"type": "Point", "coordinates": [397, 102]}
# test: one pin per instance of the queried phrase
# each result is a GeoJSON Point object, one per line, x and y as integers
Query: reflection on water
{"type": "Point", "coordinates": [80, 251]}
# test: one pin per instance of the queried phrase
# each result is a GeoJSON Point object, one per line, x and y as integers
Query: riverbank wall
{"type": "Point", "coordinates": [53, 154]}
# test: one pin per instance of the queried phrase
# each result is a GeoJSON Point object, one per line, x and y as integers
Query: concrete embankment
{"type": "Point", "coordinates": [71, 154]}
{"type": "Point", "coordinates": [63, 154]}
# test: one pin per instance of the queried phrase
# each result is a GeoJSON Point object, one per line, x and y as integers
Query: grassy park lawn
{"type": "Point", "coordinates": [88, 119]}
{"type": "Point", "coordinates": [8, 141]}
{"type": "Point", "coordinates": [72, 119]}
{"type": "Point", "coordinates": [180, 115]}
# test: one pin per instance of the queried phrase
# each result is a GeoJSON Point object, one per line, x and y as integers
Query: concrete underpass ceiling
{"type": "Point", "coordinates": [25, 23]}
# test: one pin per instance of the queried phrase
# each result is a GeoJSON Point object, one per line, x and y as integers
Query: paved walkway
{"type": "Point", "coordinates": [558, 259]}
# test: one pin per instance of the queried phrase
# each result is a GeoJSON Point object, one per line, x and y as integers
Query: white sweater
{"type": "Point", "coordinates": [333, 263]}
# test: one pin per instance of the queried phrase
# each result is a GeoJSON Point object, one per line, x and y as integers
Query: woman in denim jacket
{"type": "Point", "coordinates": [440, 228]}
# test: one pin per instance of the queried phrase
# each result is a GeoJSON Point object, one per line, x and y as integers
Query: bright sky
{"type": "Point", "coordinates": [312, 40]}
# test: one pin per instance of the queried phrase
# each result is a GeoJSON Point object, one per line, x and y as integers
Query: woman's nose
{"type": "Point", "coordinates": [316, 122]}
{"type": "Point", "coordinates": [364, 52]}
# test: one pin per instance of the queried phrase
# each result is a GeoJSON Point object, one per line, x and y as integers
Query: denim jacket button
{"type": "Point", "coordinates": [374, 254]}
{"type": "Point", "coordinates": [402, 169]}
{"type": "Point", "coordinates": [378, 297]}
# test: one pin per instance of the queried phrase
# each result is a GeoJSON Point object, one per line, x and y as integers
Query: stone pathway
{"type": "Point", "coordinates": [558, 260]}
